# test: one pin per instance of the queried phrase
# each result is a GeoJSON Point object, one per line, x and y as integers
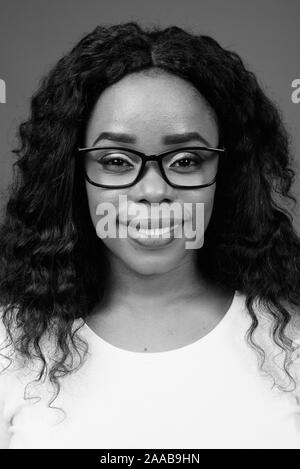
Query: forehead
{"type": "Point", "coordinates": [146, 102]}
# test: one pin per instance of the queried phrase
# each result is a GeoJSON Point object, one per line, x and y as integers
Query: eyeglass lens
{"type": "Point", "coordinates": [114, 167]}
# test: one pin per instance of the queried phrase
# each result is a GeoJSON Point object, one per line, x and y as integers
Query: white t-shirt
{"type": "Point", "coordinates": [209, 394]}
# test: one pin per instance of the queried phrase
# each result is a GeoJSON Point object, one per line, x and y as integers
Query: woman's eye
{"type": "Point", "coordinates": [114, 161]}
{"type": "Point", "coordinates": [187, 161]}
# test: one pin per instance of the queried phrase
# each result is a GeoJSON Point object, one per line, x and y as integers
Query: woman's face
{"type": "Point", "coordinates": [149, 107]}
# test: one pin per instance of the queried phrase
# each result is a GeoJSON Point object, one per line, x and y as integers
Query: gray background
{"type": "Point", "coordinates": [34, 34]}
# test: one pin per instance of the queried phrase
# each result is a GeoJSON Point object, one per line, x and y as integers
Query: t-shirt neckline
{"type": "Point", "coordinates": [185, 348]}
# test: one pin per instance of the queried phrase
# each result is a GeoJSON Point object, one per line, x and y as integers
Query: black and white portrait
{"type": "Point", "coordinates": [149, 234]}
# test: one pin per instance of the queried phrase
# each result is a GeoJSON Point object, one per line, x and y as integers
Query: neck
{"type": "Point", "coordinates": [138, 294]}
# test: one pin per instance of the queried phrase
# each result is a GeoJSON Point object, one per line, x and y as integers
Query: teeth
{"type": "Point", "coordinates": [154, 232]}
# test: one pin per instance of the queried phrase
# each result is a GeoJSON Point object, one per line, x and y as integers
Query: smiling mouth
{"type": "Point", "coordinates": [148, 225]}
{"type": "Point", "coordinates": [153, 233]}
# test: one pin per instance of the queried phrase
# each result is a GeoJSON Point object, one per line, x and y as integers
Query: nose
{"type": "Point", "coordinates": [152, 185]}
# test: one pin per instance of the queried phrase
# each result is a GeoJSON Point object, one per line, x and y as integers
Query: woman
{"type": "Point", "coordinates": [139, 341]}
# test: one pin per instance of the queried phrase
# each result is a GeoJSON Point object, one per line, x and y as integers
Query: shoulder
{"type": "Point", "coordinates": [280, 357]}
{"type": "Point", "coordinates": [6, 347]}
{"type": "Point", "coordinates": [259, 330]}
{"type": "Point", "coordinates": [12, 364]}
{"type": "Point", "coordinates": [22, 356]}
{"type": "Point", "coordinates": [6, 358]}
{"type": "Point", "coordinates": [11, 358]}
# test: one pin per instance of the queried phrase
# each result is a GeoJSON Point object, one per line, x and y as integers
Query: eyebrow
{"type": "Point", "coordinates": [167, 139]}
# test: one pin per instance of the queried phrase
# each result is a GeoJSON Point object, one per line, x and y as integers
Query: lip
{"type": "Point", "coordinates": [152, 223]}
{"type": "Point", "coordinates": [153, 241]}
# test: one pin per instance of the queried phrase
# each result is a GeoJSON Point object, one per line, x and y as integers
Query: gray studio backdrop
{"type": "Point", "coordinates": [34, 34]}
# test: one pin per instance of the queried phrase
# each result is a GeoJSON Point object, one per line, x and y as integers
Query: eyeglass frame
{"type": "Point", "coordinates": [155, 157]}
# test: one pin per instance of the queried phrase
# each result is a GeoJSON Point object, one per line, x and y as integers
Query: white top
{"type": "Point", "coordinates": [209, 394]}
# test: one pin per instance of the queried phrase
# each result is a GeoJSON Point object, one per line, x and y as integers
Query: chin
{"type": "Point", "coordinates": [147, 262]}
{"type": "Point", "coordinates": [151, 266]}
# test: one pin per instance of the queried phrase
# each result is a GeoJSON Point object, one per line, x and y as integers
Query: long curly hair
{"type": "Point", "coordinates": [54, 268]}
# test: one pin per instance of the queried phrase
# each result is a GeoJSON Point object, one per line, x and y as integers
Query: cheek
{"type": "Point", "coordinates": [209, 205]}
{"type": "Point", "coordinates": [208, 212]}
{"type": "Point", "coordinates": [206, 196]}
{"type": "Point", "coordinates": [94, 198]}
{"type": "Point", "coordinates": [97, 195]}
{"type": "Point", "coordinates": [92, 201]}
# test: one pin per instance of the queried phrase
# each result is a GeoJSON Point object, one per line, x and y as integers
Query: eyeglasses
{"type": "Point", "coordinates": [118, 167]}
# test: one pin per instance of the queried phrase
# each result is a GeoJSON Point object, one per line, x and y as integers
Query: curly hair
{"type": "Point", "coordinates": [54, 268]}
